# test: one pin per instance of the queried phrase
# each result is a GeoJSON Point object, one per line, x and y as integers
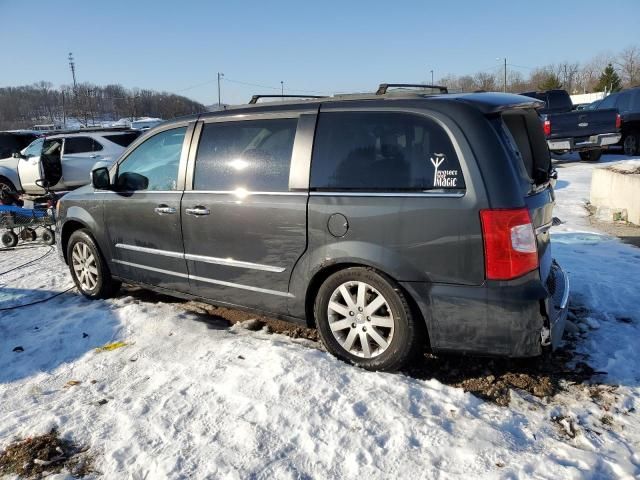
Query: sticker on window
{"type": "Point", "coordinates": [443, 178]}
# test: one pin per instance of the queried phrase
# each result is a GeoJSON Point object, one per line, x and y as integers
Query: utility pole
{"type": "Point", "coordinates": [504, 89]}
{"type": "Point", "coordinates": [64, 112]}
{"type": "Point", "coordinates": [431, 77]}
{"type": "Point", "coordinates": [72, 66]}
{"type": "Point", "coordinates": [282, 89]}
{"type": "Point", "coordinates": [220, 75]}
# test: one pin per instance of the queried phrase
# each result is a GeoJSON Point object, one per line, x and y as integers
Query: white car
{"type": "Point", "coordinates": [64, 160]}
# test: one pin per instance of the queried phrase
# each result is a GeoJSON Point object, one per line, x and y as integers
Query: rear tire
{"type": "Point", "coordinates": [591, 155]}
{"type": "Point", "coordinates": [9, 239]}
{"type": "Point", "coordinates": [631, 144]}
{"type": "Point", "coordinates": [364, 318]}
{"type": "Point", "coordinates": [88, 269]}
{"type": "Point", "coordinates": [48, 236]}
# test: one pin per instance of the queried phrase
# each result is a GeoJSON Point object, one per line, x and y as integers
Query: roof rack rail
{"type": "Point", "coordinates": [383, 87]}
{"type": "Point", "coordinates": [255, 98]}
{"type": "Point", "coordinates": [50, 133]}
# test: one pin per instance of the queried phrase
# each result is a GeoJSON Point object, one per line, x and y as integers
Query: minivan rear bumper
{"type": "Point", "coordinates": [503, 318]}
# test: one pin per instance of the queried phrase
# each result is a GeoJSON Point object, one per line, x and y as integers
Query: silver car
{"type": "Point", "coordinates": [64, 161]}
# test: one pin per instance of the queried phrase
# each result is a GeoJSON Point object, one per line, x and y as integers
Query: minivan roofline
{"type": "Point", "coordinates": [486, 102]}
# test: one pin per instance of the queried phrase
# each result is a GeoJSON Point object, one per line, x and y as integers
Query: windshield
{"type": "Point", "coordinates": [34, 149]}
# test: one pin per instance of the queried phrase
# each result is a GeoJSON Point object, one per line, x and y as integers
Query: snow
{"type": "Point", "coordinates": [188, 397]}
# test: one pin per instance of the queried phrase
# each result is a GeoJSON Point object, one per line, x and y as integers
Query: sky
{"type": "Point", "coordinates": [320, 47]}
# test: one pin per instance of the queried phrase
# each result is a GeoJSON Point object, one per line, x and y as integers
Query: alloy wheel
{"type": "Point", "coordinates": [360, 319]}
{"type": "Point", "coordinates": [84, 266]}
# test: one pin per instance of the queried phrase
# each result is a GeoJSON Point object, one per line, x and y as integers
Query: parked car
{"type": "Point", "coordinates": [11, 143]}
{"type": "Point", "coordinates": [14, 141]}
{"type": "Point", "coordinates": [63, 160]}
{"type": "Point", "coordinates": [627, 103]}
{"type": "Point", "coordinates": [389, 222]}
{"type": "Point", "coordinates": [584, 131]}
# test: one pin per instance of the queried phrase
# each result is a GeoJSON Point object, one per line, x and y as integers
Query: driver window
{"type": "Point", "coordinates": [157, 159]}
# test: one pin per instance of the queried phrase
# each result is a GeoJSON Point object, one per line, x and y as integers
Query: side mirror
{"type": "Point", "coordinates": [131, 182]}
{"type": "Point", "coordinates": [100, 178]}
{"type": "Point", "coordinates": [18, 155]}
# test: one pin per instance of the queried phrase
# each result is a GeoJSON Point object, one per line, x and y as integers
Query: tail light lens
{"type": "Point", "coordinates": [618, 121]}
{"type": "Point", "coordinates": [547, 127]}
{"type": "Point", "coordinates": [510, 248]}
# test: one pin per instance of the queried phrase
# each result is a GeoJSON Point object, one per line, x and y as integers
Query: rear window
{"type": "Point", "coordinates": [522, 133]}
{"type": "Point", "coordinates": [383, 151]}
{"type": "Point", "coordinates": [123, 139]}
{"type": "Point", "coordinates": [559, 100]}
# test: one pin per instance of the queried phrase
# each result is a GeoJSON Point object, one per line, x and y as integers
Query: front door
{"type": "Point", "coordinates": [142, 214]}
{"type": "Point", "coordinates": [244, 228]}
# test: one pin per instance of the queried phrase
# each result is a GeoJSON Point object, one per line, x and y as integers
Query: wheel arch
{"type": "Point", "coordinates": [68, 228]}
{"type": "Point", "coordinates": [7, 179]}
{"type": "Point", "coordinates": [326, 271]}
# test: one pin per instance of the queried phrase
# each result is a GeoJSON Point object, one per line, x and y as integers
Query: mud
{"type": "Point", "coordinates": [40, 456]}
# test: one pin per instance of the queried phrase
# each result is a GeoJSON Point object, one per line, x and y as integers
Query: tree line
{"type": "Point", "coordinates": [604, 72]}
{"type": "Point", "coordinates": [89, 104]}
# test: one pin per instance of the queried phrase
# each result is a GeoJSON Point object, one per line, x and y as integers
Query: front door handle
{"type": "Point", "coordinates": [164, 210]}
{"type": "Point", "coordinates": [197, 211]}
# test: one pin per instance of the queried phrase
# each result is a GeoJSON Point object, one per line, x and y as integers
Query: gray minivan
{"type": "Point", "coordinates": [391, 222]}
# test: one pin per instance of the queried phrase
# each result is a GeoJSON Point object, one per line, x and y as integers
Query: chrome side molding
{"type": "Point", "coordinates": [227, 262]}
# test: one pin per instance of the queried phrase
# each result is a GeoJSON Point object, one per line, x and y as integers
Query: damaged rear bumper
{"type": "Point", "coordinates": [516, 318]}
{"type": "Point", "coordinates": [557, 306]}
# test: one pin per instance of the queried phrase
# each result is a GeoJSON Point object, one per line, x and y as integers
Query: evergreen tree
{"type": "Point", "coordinates": [609, 80]}
{"type": "Point", "coordinates": [550, 82]}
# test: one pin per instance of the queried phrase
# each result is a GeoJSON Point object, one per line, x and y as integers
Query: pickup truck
{"type": "Point", "coordinates": [587, 132]}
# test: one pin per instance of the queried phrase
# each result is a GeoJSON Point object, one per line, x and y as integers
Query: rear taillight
{"type": "Point", "coordinates": [510, 248]}
{"type": "Point", "coordinates": [618, 121]}
{"type": "Point", "coordinates": [547, 127]}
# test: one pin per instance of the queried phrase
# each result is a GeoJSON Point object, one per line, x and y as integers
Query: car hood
{"type": "Point", "coordinates": [79, 193]}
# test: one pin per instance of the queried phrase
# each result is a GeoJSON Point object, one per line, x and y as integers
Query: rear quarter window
{"type": "Point", "coordinates": [123, 139]}
{"type": "Point", "coordinates": [383, 151]}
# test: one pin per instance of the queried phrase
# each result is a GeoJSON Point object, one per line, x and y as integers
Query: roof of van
{"type": "Point", "coordinates": [485, 102]}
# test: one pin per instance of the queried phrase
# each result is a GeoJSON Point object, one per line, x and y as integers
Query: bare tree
{"type": "Point", "coordinates": [485, 81]}
{"type": "Point", "coordinates": [628, 63]}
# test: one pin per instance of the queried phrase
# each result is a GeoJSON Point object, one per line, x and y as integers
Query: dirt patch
{"type": "Point", "coordinates": [36, 457]}
{"type": "Point", "coordinates": [493, 379]}
{"type": "Point", "coordinates": [625, 231]}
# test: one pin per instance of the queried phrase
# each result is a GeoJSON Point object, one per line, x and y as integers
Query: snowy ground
{"type": "Point", "coordinates": [189, 397]}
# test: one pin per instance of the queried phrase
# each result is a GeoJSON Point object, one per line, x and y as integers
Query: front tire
{"type": "Point", "coordinates": [364, 318]}
{"type": "Point", "coordinates": [9, 239]}
{"type": "Point", "coordinates": [88, 269]}
{"type": "Point", "coordinates": [6, 186]}
{"type": "Point", "coordinates": [591, 155]}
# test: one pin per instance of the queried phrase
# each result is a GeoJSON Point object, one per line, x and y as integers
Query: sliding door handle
{"type": "Point", "coordinates": [198, 211]}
